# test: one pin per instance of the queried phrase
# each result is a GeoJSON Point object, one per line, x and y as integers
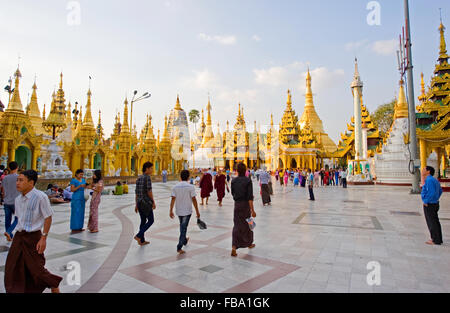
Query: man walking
{"type": "Point", "coordinates": [10, 194]}
{"type": "Point", "coordinates": [431, 192]}
{"type": "Point", "coordinates": [24, 268]}
{"type": "Point", "coordinates": [310, 182]}
{"type": "Point", "coordinates": [183, 196]}
{"type": "Point", "coordinates": [145, 204]}
{"type": "Point", "coordinates": [265, 190]}
{"type": "Point", "coordinates": [344, 178]}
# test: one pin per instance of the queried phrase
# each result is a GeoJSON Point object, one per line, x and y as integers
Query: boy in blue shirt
{"type": "Point", "coordinates": [431, 192]}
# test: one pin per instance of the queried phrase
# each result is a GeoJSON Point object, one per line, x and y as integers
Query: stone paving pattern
{"type": "Point", "coordinates": [301, 246]}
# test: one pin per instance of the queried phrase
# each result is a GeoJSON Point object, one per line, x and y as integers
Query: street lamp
{"type": "Point", "coordinates": [146, 95]}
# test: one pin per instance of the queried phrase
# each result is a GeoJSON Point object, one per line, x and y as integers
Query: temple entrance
{"type": "Point", "coordinates": [280, 164]}
{"type": "Point", "coordinates": [133, 165]}
{"type": "Point", "coordinates": [23, 157]}
{"type": "Point", "coordinates": [98, 161]}
{"type": "Point", "coordinates": [293, 163]}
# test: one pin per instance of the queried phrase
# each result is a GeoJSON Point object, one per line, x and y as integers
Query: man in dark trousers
{"type": "Point", "coordinates": [431, 192]}
{"type": "Point", "coordinates": [144, 198]}
{"type": "Point", "coordinates": [25, 270]}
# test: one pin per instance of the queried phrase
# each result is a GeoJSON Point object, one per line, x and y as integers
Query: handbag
{"type": "Point", "coordinates": [145, 205]}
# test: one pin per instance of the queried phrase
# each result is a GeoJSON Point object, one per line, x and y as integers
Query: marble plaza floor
{"type": "Point", "coordinates": [301, 246]}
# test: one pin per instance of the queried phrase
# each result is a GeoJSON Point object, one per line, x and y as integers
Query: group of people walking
{"type": "Point", "coordinates": [323, 177]}
{"type": "Point", "coordinates": [25, 270]}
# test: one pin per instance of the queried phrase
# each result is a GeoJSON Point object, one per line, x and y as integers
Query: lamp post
{"type": "Point", "coordinates": [146, 95]}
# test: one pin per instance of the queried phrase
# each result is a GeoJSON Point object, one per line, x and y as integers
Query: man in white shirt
{"type": "Point", "coordinates": [24, 268]}
{"type": "Point", "coordinates": [183, 196]}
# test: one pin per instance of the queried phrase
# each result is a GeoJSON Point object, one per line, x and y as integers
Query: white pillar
{"type": "Point", "coordinates": [357, 95]}
{"type": "Point", "coordinates": [364, 144]}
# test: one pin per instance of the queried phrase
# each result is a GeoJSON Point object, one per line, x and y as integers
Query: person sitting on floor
{"type": "Point", "coordinates": [118, 190]}
{"type": "Point", "coordinates": [67, 194]}
{"type": "Point", "coordinates": [55, 195]}
{"type": "Point", "coordinates": [125, 187]}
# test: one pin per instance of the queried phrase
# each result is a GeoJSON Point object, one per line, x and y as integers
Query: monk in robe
{"type": "Point", "coordinates": [206, 186]}
{"type": "Point", "coordinates": [24, 268]}
{"type": "Point", "coordinates": [220, 182]}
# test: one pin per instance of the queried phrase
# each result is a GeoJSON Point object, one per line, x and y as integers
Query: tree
{"type": "Point", "coordinates": [194, 117]}
{"type": "Point", "coordinates": [383, 116]}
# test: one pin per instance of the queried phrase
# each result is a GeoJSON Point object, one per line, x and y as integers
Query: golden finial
{"type": "Point", "coordinates": [178, 105]}
{"type": "Point", "coordinates": [43, 113]}
{"type": "Point", "coordinates": [61, 81]}
{"type": "Point", "coordinates": [443, 45]}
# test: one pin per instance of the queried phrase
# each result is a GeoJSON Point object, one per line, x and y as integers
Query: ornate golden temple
{"type": "Point", "coordinates": [26, 135]}
{"type": "Point", "coordinates": [293, 144]}
{"type": "Point", "coordinates": [433, 112]}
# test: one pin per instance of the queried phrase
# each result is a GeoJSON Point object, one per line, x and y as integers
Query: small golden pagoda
{"type": "Point", "coordinates": [18, 139]}
{"type": "Point", "coordinates": [55, 122]}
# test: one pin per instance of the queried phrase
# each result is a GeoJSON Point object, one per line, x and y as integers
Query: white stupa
{"type": "Point", "coordinates": [391, 165]}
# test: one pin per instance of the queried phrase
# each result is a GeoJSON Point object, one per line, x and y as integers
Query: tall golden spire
{"type": "Point", "coordinates": [289, 100]}
{"type": "Point", "coordinates": [401, 107]}
{"type": "Point", "coordinates": [442, 45]}
{"type": "Point", "coordinates": [271, 119]}
{"type": "Point", "coordinates": [208, 108]}
{"type": "Point", "coordinates": [208, 134]}
{"type": "Point", "coordinates": [69, 114]}
{"type": "Point", "coordinates": [33, 107]}
{"type": "Point", "coordinates": [422, 96]}
{"type": "Point", "coordinates": [80, 119]}
{"type": "Point", "coordinates": [88, 122]}
{"type": "Point", "coordinates": [99, 125]}
{"type": "Point", "coordinates": [33, 112]}
{"type": "Point", "coordinates": [165, 136]}
{"type": "Point", "coordinates": [310, 118]}
{"type": "Point", "coordinates": [43, 113]}
{"type": "Point", "coordinates": [308, 94]}
{"type": "Point", "coordinates": [149, 135]}
{"type": "Point", "coordinates": [55, 122]}
{"type": "Point", "coordinates": [15, 104]}
{"type": "Point", "coordinates": [125, 126]}
{"type": "Point", "coordinates": [178, 105]}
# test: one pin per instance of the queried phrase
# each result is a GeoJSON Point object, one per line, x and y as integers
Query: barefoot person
{"type": "Point", "coordinates": [183, 196]}
{"type": "Point", "coordinates": [145, 203]}
{"type": "Point", "coordinates": [24, 268]}
{"type": "Point", "coordinates": [220, 182]}
{"type": "Point", "coordinates": [78, 203]}
{"type": "Point", "coordinates": [206, 186]}
{"type": "Point", "coordinates": [242, 191]}
{"type": "Point", "coordinates": [95, 201]}
{"type": "Point", "coordinates": [431, 192]}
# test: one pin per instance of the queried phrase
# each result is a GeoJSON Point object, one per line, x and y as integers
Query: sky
{"type": "Point", "coordinates": [247, 51]}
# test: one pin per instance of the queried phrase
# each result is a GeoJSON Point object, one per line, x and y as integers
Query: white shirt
{"type": "Point", "coordinates": [32, 219]}
{"type": "Point", "coordinates": [183, 193]}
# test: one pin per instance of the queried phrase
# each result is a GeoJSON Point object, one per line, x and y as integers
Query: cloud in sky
{"type": "Point", "coordinates": [380, 47]}
{"type": "Point", "coordinates": [355, 45]}
{"type": "Point", "coordinates": [385, 47]}
{"type": "Point", "coordinates": [223, 40]}
{"type": "Point", "coordinates": [256, 38]}
{"type": "Point", "coordinates": [278, 75]}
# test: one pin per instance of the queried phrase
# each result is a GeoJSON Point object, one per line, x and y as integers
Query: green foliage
{"type": "Point", "coordinates": [384, 116]}
{"type": "Point", "coordinates": [194, 116]}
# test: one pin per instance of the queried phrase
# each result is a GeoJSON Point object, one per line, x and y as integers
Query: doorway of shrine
{"type": "Point", "coordinates": [23, 157]}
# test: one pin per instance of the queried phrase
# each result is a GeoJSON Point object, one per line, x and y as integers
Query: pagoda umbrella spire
{"type": "Point", "coordinates": [15, 104]}
{"type": "Point", "coordinates": [55, 122]}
